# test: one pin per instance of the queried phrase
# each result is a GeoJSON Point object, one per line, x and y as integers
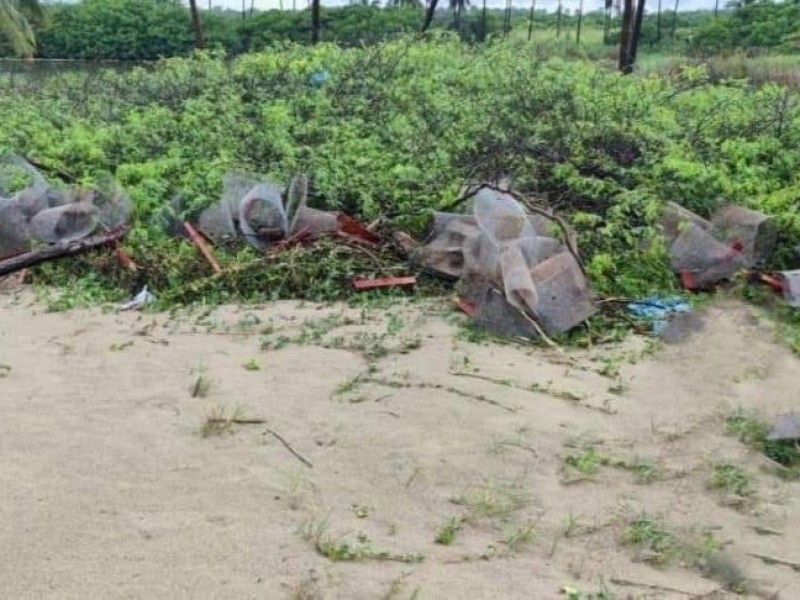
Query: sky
{"type": "Point", "coordinates": [544, 4]}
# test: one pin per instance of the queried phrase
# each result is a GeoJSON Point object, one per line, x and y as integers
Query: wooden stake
{"type": "Point", "coordinates": [204, 248]}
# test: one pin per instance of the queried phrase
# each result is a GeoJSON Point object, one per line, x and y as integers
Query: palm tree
{"type": "Point", "coordinates": [607, 25]}
{"type": "Point", "coordinates": [15, 26]}
{"type": "Point", "coordinates": [560, 11]}
{"type": "Point", "coordinates": [197, 25]}
{"type": "Point", "coordinates": [457, 6]}
{"type": "Point", "coordinates": [316, 24]}
{"type": "Point", "coordinates": [625, 37]}
{"type": "Point", "coordinates": [658, 23]}
{"type": "Point", "coordinates": [429, 14]}
{"type": "Point", "coordinates": [674, 19]}
{"type": "Point", "coordinates": [637, 30]}
{"type": "Point", "coordinates": [530, 20]}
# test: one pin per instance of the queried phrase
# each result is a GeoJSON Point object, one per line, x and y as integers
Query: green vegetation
{"type": "Point", "coordinates": [654, 542]}
{"type": "Point", "coordinates": [16, 19]}
{"type": "Point", "coordinates": [699, 550]}
{"type": "Point", "coordinates": [393, 134]}
{"type": "Point", "coordinates": [753, 432]}
{"type": "Point", "coordinates": [358, 549]}
{"type": "Point", "coordinates": [252, 365]}
{"type": "Point", "coordinates": [731, 479]}
{"type": "Point", "coordinates": [148, 29]}
{"type": "Point", "coordinates": [752, 25]}
{"type": "Point", "coordinates": [447, 532]}
{"type": "Point", "coordinates": [587, 462]}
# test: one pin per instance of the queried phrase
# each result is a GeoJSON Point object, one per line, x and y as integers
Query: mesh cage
{"type": "Point", "coordinates": [64, 223]}
{"type": "Point", "coordinates": [698, 252]}
{"type": "Point", "coordinates": [508, 263]}
{"type": "Point", "coordinates": [218, 221]}
{"type": "Point", "coordinates": [262, 218]}
{"type": "Point", "coordinates": [754, 231]}
{"type": "Point", "coordinates": [114, 206]}
{"type": "Point", "coordinates": [564, 299]}
{"type": "Point", "coordinates": [15, 235]}
{"type": "Point", "coordinates": [249, 208]}
{"type": "Point", "coordinates": [31, 210]}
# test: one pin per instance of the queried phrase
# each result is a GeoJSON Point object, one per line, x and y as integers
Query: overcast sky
{"type": "Point", "coordinates": [545, 4]}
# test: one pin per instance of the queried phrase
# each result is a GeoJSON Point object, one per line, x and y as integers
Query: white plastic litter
{"type": "Point", "coordinates": [143, 298]}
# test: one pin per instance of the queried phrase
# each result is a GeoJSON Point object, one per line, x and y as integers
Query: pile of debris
{"type": "Point", "coordinates": [39, 221]}
{"type": "Point", "coordinates": [518, 269]}
{"type": "Point", "coordinates": [515, 276]}
{"type": "Point", "coordinates": [705, 253]}
{"type": "Point", "coordinates": [265, 215]}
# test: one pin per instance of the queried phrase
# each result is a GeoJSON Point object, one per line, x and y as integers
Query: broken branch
{"type": "Point", "coordinates": [35, 257]}
{"type": "Point", "coordinates": [204, 248]}
{"type": "Point", "coordinates": [774, 560]}
{"type": "Point", "coordinates": [286, 445]}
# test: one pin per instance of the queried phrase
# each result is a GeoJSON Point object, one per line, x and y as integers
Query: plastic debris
{"type": "Point", "coordinates": [143, 298]}
{"type": "Point", "coordinates": [319, 78]}
{"type": "Point", "coordinates": [658, 310]}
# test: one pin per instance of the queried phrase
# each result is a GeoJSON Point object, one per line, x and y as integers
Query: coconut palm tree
{"type": "Point", "coordinates": [457, 6]}
{"type": "Point", "coordinates": [430, 12]}
{"type": "Point", "coordinates": [316, 21]}
{"type": "Point", "coordinates": [15, 26]}
{"type": "Point", "coordinates": [197, 25]}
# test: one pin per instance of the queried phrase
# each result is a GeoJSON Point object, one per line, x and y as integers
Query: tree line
{"type": "Point", "coordinates": [150, 29]}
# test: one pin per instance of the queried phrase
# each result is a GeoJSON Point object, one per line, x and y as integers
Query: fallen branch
{"type": "Point", "coordinates": [351, 229]}
{"type": "Point", "coordinates": [286, 445]}
{"type": "Point", "coordinates": [125, 259]}
{"type": "Point", "coordinates": [774, 560]}
{"type": "Point", "coordinates": [236, 420]}
{"type": "Point", "coordinates": [544, 336]}
{"type": "Point", "coordinates": [530, 449]}
{"type": "Point", "coordinates": [204, 248]}
{"type": "Point", "coordinates": [35, 257]}
{"type": "Point", "coordinates": [651, 586]}
{"type": "Point", "coordinates": [535, 388]}
{"type": "Point", "coordinates": [437, 386]}
{"type": "Point", "coordinates": [384, 282]}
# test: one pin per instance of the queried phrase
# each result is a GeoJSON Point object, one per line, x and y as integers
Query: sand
{"type": "Point", "coordinates": [108, 489]}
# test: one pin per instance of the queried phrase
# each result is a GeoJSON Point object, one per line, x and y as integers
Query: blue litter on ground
{"type": "Point", "coordinates": [658, 310]}
{"type": "Point", "coordinates": [319, 78]}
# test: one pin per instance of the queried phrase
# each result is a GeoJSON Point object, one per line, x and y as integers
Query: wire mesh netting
{"type": "Point", "coordinates": [713, 251]}
{"type": "Point", "coordinates": [259, 211]}
{"type": "Point", "coordinates": [32, 211]}
{"type": "Point", "coordinates": [510, 266]}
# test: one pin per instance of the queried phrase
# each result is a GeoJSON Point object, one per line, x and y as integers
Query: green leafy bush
{"type": "Point", "coordinates": [395, 133]}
